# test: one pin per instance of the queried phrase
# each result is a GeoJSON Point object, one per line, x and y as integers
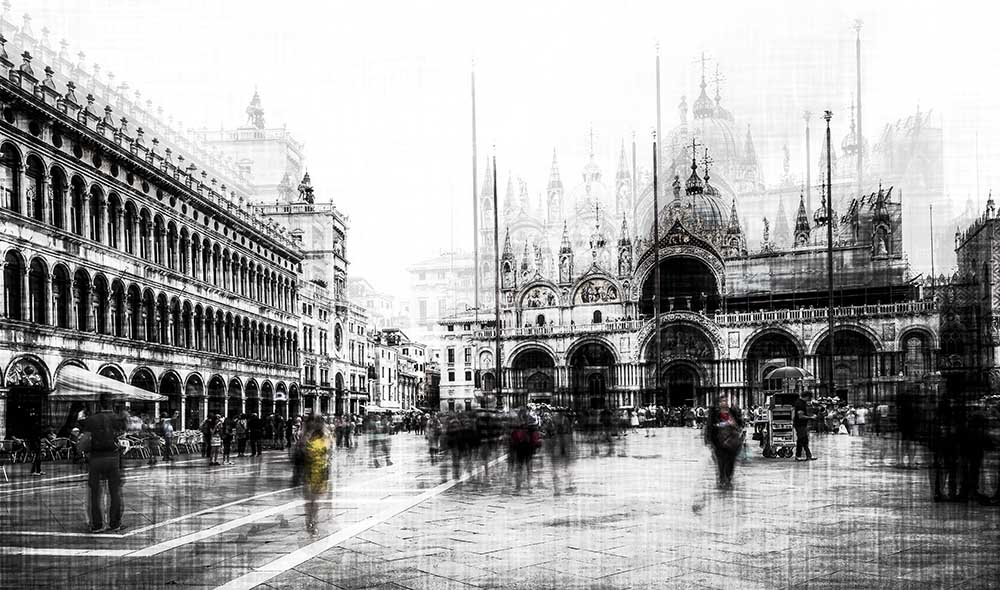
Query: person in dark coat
{"type": "Point", "coordinates": [104, 464]}
{"type": "Point", "coordinates": [256, 429]}
{"type": "Point", "coordinates": [724, 433]}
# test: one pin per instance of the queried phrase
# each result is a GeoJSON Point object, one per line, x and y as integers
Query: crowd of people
{"type": "Point", "coordinates": [957, 434]}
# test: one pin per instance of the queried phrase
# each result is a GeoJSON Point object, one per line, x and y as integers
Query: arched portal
{"type": "Point", "coordinates": [234, 400]}
{"type": "Point", "coordinates": [591, 375]}
{"type": "Point", "coordinates": [143, 379]}
{"type": "Point", "coordinates": [170, 386]}
{"type": "Point", "coordinates": [766, 352]}
{"type": "Point", "coordinates": [532, 376]}
{"type": "Point", "coordinates": [27, 399]}
{"type": "Point", "coordinates": [681, 344]}
{"type": "Point", "coordinates": [680, 384]}
{"type": "Point", "coordinates": [686, 283]}
{"type": "Point", "coordinates": [254, 401]}
{"type": "Point", "coordinates": [216, 395]}
{"type": "Point", "coordinates": [194, 397]}
{"type": "Point", "coordinates": [855, 365]}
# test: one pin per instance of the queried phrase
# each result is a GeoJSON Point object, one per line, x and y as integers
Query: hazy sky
{"type": "Point", "coordinates": [379, 91]}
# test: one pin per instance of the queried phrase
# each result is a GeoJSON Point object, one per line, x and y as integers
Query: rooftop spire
{"type": "Point", "coordinates": [555, 183]}
{"type": "Point", "coordinates": [623, 167]}
{"type": "Point", "coordinates": [565, 246]}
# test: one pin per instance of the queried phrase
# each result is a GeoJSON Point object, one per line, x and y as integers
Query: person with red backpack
{"type": "Point", "coordinates": [724, 433]}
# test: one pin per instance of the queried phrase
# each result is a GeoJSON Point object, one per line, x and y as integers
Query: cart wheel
{"type": "Point", "coordinates": [786, 452]}
{"type": "Point", "coordinates": [768, 452]}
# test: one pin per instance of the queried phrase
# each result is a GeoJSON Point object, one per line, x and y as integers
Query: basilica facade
{"type": "Point", "coordinates": [579, 326]}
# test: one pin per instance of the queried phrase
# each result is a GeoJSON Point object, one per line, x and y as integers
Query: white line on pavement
{"type": "Point", "coordinates": [64, 552]}
{"type": "Point", "coordinates": [205, 511]}
{"type": "Point", "coordinates": [295, 558]}
{"type": "Point", "coordinates": [211, 532]}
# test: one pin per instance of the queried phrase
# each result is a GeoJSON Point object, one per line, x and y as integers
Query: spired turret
{"type": "Point", "coordinates": [623, 184]}
{"type": "Point", "coordinates": [735, 242]}
{"type": "Point", "coordinates": [554, 193]}
{"type": "Point", "coordinates": [508, 271]}
{"type": "Point", "coordinates": [565, 258]}
{"type": "Point", "coordinates": [802, 224]}
{"type": "Point", "coordinates": [781, 226]}
{"type": "Point", "coordinates": [624, 251]}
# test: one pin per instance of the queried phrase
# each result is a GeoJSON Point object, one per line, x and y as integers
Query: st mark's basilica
{"type": "Point", "coordinates": [577, 277]}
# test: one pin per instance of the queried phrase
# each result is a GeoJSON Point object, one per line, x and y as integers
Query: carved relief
{"type": "Point", "coordinates": [25, 373]}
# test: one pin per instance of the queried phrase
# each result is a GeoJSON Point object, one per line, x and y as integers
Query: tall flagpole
{"type": "Point", "coordinates": [858, 139]}
{"type": "Point", "coordinates": [635, 199]}
{"type": "Point", "coordinates": [496, 284]}
{"type": "Point", "coordinates": [829, 245]}
{"type": "Point", "coordinates": [656, 233]}
{"type": "Point", "coordinates": [475, 199]}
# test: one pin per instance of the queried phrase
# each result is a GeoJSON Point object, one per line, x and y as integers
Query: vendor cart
{"type": "Point", "coordinates": [778, 435]}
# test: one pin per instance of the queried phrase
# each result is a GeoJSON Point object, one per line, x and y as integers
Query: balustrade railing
{"type": "Point", "coordinates": [811, 314]}
{"type": "Point", "coordinates": [807, 314]}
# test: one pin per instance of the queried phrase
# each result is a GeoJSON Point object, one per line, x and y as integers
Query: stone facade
{"type": "Point", "coordinates": [124, 256]}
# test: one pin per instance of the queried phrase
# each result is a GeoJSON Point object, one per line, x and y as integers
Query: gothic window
{"type": "Point", "coordinates": [37, 292]}
{"type": "Point", "coordinates": [78, 214]}
{"type": "Point", "coordinates": [915, 361]}
{"type": "Point", "coordinates": [35, 190]}
{"type": "Point", "coordinates": [96, 214]}
{"type": "Point", "coordinates": [62, 296]}
{"type": "Point", "coordinates": [58, 181]}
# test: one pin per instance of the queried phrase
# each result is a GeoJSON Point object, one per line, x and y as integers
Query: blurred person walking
{"type": "Point", "coordinates": [800, 422]}
{"type": "Point", "coordinates": [103, 429]}
{"type": "Point", "coordinates": [724, 433]}
{"type": "Point", "coordinates": [316, 469]}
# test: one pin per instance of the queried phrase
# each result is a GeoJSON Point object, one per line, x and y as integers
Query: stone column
{"type": "Point", "coordinates": [120, 229]}
{"type": "Point", "coordinates": [170, 330]}
{"type": "Point", "coordinates": [67, 222]}
{"type": "Point", "coordinates": [53, 300]}
{"type": "Point", "coordinates": [127, 328]}
{"type": "Point", "coordinates": [25, 307]}
{"type": "Point", "coordinates": [147, 250]}
{"type": "Point", "coordinates": [85, 217]}
{"type": "Point", "coordinates": [47, 199]}
{"type": "Point", "coordinates": [142, 324]}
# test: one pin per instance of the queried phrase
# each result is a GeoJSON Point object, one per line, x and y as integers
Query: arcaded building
{"type": "Point", "coordinates": [130, 251]}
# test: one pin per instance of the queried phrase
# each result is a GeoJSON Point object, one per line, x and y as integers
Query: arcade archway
{"type": "Point", "coordinates": [143, 379]}
{"type": "Point", "coordinates": [855, 365]}
{"type": "Point", "coordinates": [27, 400]}
{"type": "Point", "coordinates": [686, 354]}
{"type": "Point", "coordinates": [766, 352]}
{"type": "Point", "coordinates": [532, 377]}
{"type": "Point", "coordinates": [680, 385]}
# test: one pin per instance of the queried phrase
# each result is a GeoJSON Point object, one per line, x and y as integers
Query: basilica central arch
{"type": "Point", "coordinates": [532, 376]}
{"type": "Point", "coordinates": [591, 375]}
{"type": "Point", "coordinates": [687, 283]}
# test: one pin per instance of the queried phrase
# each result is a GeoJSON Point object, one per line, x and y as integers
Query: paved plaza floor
{"type": "Point", "coordinates": [644, 513]}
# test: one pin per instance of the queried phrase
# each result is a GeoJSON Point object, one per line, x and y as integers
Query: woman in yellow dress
{"type": "Point", "coordinates": [317, 469]}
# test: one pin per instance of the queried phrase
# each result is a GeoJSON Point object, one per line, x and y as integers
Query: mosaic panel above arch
{"type": "Point", "coordinates": [597, 291]}
{"type": "Point", "coordinates": [540, 296]}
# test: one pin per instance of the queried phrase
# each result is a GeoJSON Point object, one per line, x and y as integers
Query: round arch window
{"type": "Point", "coordinates": [338, 336]}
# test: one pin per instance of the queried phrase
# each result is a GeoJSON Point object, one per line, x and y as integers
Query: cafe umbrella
{"type": "Point", "coordinates": [77, 384]}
